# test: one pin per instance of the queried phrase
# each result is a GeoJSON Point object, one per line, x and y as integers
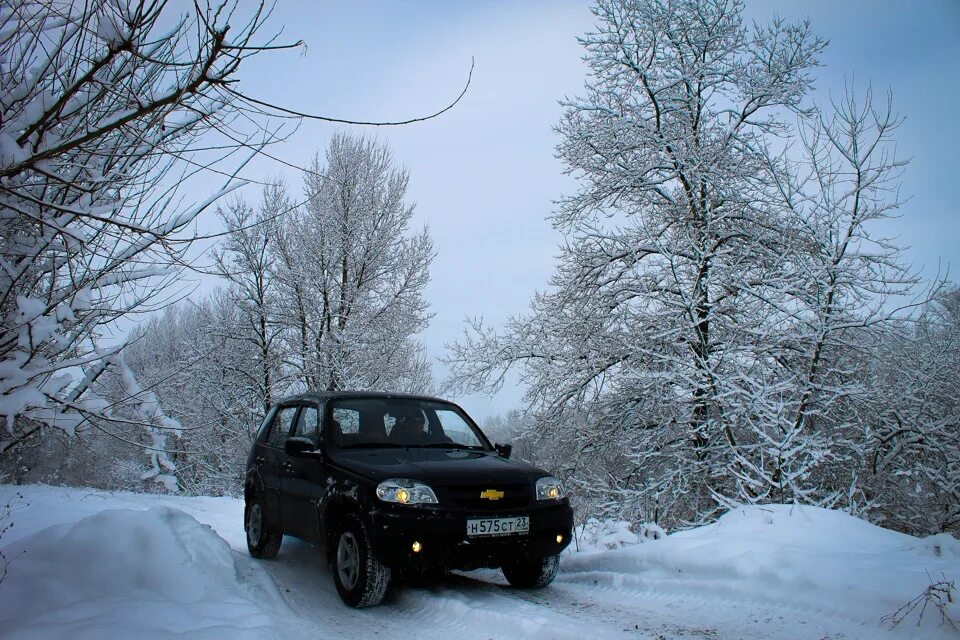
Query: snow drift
{"type": "Point", "coordinates": [799, 557]}
{"type": "Point", "coordinates": [125, 573]}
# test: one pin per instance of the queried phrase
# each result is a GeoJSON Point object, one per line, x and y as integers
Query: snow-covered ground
{"type": "Point", "coordinates": [95, 564]}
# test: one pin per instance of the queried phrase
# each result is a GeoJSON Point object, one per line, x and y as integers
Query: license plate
{"type": "Point", "coordinates": [516, 526]}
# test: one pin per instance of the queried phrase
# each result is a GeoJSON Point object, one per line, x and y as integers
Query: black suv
{"type": "Point", "coordinates": [393, 485]}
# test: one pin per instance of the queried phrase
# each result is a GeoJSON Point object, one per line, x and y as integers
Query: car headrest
{"type": "Point", "coordinates": [336, 432]}
{"type": "Point", "coordinates": [371, 425]}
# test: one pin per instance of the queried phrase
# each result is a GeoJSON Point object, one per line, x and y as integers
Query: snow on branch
{"type": "Point", "coordinates": [109, 108]}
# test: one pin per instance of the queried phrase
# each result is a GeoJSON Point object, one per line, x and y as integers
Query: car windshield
{"type": "Point", "coordinates": [401, 422]}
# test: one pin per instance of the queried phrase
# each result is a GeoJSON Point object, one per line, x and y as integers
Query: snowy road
{"type": "Point", "coordinates": [715, 582]}
{"type": "Point", "coordinates": [577, 606]}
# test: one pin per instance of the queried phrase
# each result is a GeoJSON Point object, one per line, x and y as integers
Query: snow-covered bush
{"type": "Point", "coordinates": [613, 534]}
{"type": "Point", "coordinates": [939, 599]}
{"type": "Point", "coordinates": [197, 358]}
{"type": "Point", "coordinates": [7, 509]}
{"type": "Point", "coordinates": [912, 462]}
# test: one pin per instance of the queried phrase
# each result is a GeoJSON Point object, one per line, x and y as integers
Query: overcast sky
{"type": "Point", "coordinates": [483, 175]}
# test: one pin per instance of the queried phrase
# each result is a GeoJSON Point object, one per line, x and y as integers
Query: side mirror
{"type": "Point", "coordinates": [504, 449]}
{"type": "Point", "coordinates": [299, 446]}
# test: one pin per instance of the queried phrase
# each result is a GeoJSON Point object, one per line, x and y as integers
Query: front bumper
{"type": "Point", "coordinates": [442, 535]}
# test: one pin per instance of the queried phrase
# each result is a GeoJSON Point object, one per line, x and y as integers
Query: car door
{"type": "Point", "coordinates": [270, 458]}
{"type": "Point", "coordinates": [300, 477]}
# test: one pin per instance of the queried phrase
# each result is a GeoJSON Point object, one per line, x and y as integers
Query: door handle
{"type": "Point", "coordinates": [259, 459]}
{"type": "Point", "coordinates": [287, 466]}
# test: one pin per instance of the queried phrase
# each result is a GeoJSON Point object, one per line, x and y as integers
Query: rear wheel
{"type": "Point", "coordinates": [531, 573]}
{"type": "Point", "coordinates": [361, 579]}
{"type": "Point", "coordinates": [263, 540]}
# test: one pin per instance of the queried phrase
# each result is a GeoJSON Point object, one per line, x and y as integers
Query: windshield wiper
{"type": "Point", "coordinates": [452, 445]}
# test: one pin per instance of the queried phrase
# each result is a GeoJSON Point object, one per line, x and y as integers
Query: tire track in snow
{"type": "Point", "coordinates": [506, 613]}
{"type": "Point", "coordinates": [712, 601]}
{"type": "Point", "coordinates": [590, 612]}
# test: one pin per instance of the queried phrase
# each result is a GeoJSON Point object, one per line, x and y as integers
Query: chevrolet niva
{"type": "Point", "coordinates": [395, 486]}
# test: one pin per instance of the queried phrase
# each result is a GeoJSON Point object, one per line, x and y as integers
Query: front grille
{"type": "Point", "coordinates": [468, 497]}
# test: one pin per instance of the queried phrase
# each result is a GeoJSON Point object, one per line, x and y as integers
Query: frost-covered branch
{"type": "Point", "coordinates": [108, 108]}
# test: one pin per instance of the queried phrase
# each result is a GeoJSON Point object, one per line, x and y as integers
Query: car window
{"type": "Point", "coordinates": [456, 428]}
{"type": "Point", "coordinates": [307, 423]}
{"type": "Point", "coordinates": [390, 419]}
{"type": "Point", "coordinates": [281, 427]}
{"type": "Point", "coordinates": [400, 422]}
{"type": "Point", "coordinates": [348, 419]}
{"type": "Point", "coordinates": [266, 422]}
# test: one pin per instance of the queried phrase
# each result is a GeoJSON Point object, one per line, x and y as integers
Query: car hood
{"type": "Point", "coordinates": [438, 467]}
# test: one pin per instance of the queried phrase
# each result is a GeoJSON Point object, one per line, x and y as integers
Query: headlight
{"type": "Point", "coordinates": [549, 488]}
{"type": "Point", "coordinates": [403, 491]}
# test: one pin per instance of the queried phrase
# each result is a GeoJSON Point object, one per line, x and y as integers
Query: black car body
{"type": "Point", "coordinates": [393, 484]}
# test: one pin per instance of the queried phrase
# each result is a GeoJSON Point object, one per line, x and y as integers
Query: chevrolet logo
{"type": "Point", "coordinates": [491, 494]}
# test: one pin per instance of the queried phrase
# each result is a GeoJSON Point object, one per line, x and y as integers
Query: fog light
{"type": "Point", "coordinates": [559, 538]}
{"type": "Point", "coordinates": [417, 546]}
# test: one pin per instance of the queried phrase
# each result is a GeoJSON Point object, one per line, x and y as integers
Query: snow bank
{"type": "Point", "coordinates": [95, 564]}
{"type": "Point", "coordinates": [130, 574]}
{"type": "Point", "coordinates": [801, 557]}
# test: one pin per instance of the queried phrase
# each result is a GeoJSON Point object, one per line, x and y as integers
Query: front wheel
{"type": "Point", "coordinates": [263, 541]}
{"type": "Point", "coordinates": [531, 573]}
{"type": "Point", "coordinates": [361, 579]}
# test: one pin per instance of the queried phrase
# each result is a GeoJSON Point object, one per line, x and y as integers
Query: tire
{"type": "Point", "coordinates": [531, 573]}
{"type": "Point", "coordinates": [361, 579]}
{"type": "Point", "coordinates": [263, 539]}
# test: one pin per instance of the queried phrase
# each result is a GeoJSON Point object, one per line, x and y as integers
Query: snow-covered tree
{"type": "Point", "coordinates": [911, 469]}
{"type": "Point", "coordinates": [351, 274]}
{"type": "Point", "coordinates": [323, 295]}
{"type": "Point", "coordinates": [722, 289]}
{"type": "Point", "coordinates": [103, 107]}
{"type": "Point", "coordinates": [202, 360]}
{"type": "Point", "coordinates": [673, 243]}
{"type": "Point", "coordinates": [244, 258]}
{"type": "Point", "coordinates": [846, 290]}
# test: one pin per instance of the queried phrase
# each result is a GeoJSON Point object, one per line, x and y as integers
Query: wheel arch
{"type": "Point", "coordinates": [251, 485]}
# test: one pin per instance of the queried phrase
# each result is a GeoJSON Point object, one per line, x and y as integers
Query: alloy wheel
{"type": "Point", "coordinates": [348, 560]}
{"type": "Point", "coordinates": [254, 524]}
